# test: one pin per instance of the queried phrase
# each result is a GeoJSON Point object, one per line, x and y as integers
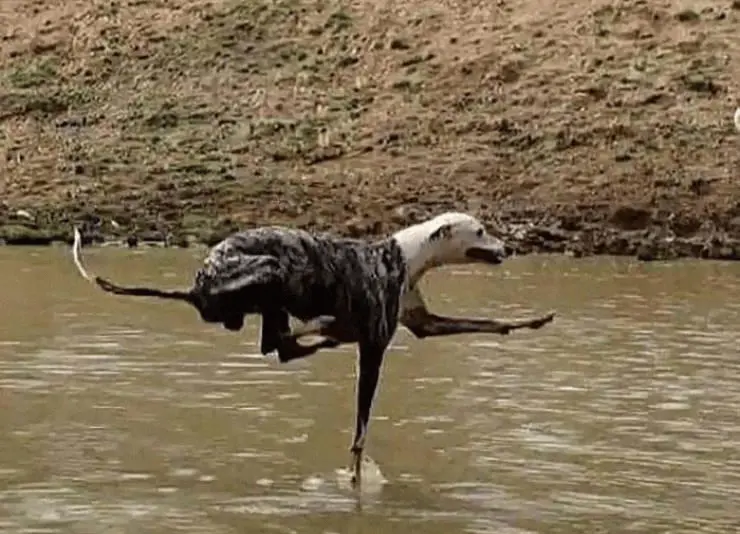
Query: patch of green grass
{"type": "Point", "coordinates": [35, 75]}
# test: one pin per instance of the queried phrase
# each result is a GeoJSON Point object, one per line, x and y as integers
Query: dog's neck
{"type": "Point", "coordinates": [421, 254]}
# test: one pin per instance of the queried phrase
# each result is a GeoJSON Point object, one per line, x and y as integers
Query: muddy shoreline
{"type": "Point", "coordinates": [627, 232]}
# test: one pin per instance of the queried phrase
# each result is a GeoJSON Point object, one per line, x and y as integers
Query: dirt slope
{"type": "Point", "coordinates": [595, 120]}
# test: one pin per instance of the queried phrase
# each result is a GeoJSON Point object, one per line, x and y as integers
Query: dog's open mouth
{"type": "Point", "coordinates": [487, 255]}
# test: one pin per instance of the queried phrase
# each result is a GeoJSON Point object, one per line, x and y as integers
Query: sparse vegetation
{"type": "Point", "coordinates": [196, 117]}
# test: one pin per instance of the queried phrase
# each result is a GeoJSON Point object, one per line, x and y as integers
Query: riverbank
{"type": "Point", "coordinates": [575, 127]}
{"type": "Point", "coordinates": [645, 240]}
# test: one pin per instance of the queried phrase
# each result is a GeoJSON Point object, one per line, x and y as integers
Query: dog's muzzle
{"type": "Point", "coordinates": [493, 255]}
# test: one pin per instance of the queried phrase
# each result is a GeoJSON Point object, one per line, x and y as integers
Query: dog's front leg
{"type": "Point", "coordinates": [422, 323]}
{"type": "Point", "coordinates": [431, 325]}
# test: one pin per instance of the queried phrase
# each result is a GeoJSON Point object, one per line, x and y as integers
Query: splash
{"type": "Point", "coordinates": [372, 477]}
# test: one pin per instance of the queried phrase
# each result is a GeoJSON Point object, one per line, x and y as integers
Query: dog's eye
{"type": "Point", "coordinates": [479, 233]}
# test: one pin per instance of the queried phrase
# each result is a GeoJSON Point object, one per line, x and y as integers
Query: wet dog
{"type": "Point", "coordinates": [346, 290]}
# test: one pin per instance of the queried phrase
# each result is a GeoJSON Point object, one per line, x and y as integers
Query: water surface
{"type": "Point", "coordinates": [131, 416]}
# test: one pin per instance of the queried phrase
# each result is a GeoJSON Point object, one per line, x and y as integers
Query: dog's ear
{"type": "Point", "coordinates": [442, 232]}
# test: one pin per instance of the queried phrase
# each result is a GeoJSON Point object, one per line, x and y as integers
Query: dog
{"type": "Point", "coordinates": [344, 290]}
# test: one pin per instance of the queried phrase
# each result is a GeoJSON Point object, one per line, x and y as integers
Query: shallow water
{"type": "Point", "coordinates": [130, 416]}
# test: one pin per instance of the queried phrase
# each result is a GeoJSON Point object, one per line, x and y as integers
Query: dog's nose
{"type": "Point", "coordinates": [508, 251]}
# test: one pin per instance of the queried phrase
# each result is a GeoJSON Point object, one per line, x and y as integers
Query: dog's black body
{"type": "Point", "coordinates": [278, 272]}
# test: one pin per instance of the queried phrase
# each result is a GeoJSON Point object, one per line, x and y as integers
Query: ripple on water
{"type": "Point", "coordinates": [621, 416]}
{"type": "Point", "coordinates": [640, 403]}
{"type": "Point", "coordinates": [49, 508]}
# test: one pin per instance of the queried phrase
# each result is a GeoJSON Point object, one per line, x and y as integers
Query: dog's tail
{"type": "Point", "coordinates": [110, 287]}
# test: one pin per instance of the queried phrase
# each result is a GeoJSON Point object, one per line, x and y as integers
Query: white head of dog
{"type": "Point", "coordinates": [449, 238]}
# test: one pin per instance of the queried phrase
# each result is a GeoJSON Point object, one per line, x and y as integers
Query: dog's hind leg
{"type": "Point", "coordinates": [315, 326]}
{"type": "Point", "coordinates": [275, 326]}
{"type": "Point", "coordinates": [422, 323]}
{"type": "Point", "coordinates": [276, 335]}
{"type": "Point", "coordinates": [327, 326]}
{"type": "Point", "coordinates": [289, 350]}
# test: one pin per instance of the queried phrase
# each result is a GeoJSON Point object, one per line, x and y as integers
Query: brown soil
{"type": "Point", "coordinates": [605, 125]}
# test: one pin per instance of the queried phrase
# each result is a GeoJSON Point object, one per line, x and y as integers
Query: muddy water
{"type": "Point", "coordinates": [130, 416]}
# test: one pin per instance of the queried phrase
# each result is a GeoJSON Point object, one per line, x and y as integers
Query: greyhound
{"type": "Point", "coordinates": [345, 290]}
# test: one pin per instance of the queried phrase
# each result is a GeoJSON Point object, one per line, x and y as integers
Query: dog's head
{"type": "Point", "coordinates": [461, 238]}
{"type": "Point", "coordinates": [449, 238]}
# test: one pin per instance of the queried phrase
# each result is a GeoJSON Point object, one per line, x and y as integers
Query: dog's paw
{"type": "Point", "coordinates": [542, 321]}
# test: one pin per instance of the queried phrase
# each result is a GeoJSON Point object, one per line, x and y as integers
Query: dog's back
{"type": "Point", "coordinates": [320, 274]}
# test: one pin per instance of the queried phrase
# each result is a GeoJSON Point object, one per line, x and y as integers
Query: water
{"type": "Point", "coordinates": [130, 416]}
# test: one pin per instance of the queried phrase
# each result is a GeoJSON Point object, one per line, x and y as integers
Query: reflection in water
{"type": "Point", "coordinates": [125, 415]}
